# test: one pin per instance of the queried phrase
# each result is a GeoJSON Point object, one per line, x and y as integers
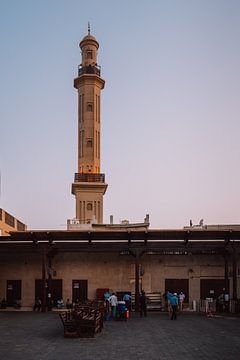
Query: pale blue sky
{"type": "Point", "coordinates": [170, 109]}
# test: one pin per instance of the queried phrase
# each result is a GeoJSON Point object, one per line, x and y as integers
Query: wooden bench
{"type": "Point", "coordinates": [82, 321]}
{"type": "Point", "coordinates": [69, 324]}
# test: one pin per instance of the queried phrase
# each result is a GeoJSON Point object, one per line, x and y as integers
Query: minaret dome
{"type": "Point", "coordinates": [89, 47]}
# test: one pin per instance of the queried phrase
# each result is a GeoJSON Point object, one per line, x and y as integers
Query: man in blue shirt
{"type": "Point", "coordinates": [174, 304]}
{"type": "Point", "coordinates": [127, 298]}
{"type": "Point", "coordinates": [169, 308]}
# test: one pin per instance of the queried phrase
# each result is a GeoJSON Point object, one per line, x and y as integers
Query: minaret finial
{"type": "Point", "coordinates": [88, 28]}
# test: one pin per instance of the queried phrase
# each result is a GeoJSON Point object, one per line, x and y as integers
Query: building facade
{"type": "Point", "coordinates": [9, 223]}
{"type": "Point", "coordinates": [74, 264]}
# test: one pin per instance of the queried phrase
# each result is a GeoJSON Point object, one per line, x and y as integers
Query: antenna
{"type": "Point", "coordinates": [89, 28]}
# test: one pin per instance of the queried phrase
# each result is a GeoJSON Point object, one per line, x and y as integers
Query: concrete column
{"type": "Point", "coordinates": [226, 272]}
{"type": "Point", "coordinates": [49, 295]}
{"type": "Point", "coordinates": [43, 279]}
{"type": "Point", "coordinates": [234, 270]}
{"type": "Point", "coordinates": [137, 281]}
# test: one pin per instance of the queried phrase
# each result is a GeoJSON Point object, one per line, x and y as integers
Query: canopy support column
{"type": "Point", "coordinates": [43, 279]}
{"type": "Point", "coordinates": [234, 270]}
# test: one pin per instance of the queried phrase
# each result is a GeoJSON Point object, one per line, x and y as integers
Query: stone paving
{"type": "Point", "coordinates": [37, 336]}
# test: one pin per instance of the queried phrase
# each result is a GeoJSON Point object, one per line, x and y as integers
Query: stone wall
{"type": "Point", "coordinates": [113, 271]}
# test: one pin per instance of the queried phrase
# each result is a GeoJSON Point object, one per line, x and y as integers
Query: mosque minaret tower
{"type": "Point", "coordinates": [89, 184]}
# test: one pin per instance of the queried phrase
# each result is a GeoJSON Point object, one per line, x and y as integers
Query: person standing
{"type": "Point", "coordinates": [169, 308]}
{"type": "Point", "coordinates": [38, 305]}
{"type": "Point", "coordinates": [143, 304]}
{"type": "Point", "coordinates": [127, 298]}
{"type": "Point", "coordinates": [174, 305]}
{"type": "Point", "coordinates": [181, 300]}
{"type": "Point", "coordinates": [113, 302]}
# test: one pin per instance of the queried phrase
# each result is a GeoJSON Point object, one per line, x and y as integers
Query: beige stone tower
{"type": "Point", "coordinates": [89, 184]}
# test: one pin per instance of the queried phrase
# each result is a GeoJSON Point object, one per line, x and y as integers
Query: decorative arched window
{"type": "Point", "coordinates": [89, 143]}
{"type": "Point", "coordinates": [89, 107]}
{"type": "Point", "coordinates": [89, 206]}
{"type": "Point", "coordinates": [89, 54]}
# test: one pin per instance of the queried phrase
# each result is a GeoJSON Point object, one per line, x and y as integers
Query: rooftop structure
{"type": "Point", "coordinates": [89, 183]}
{"type": "Point", "coordinates": [9, 223]}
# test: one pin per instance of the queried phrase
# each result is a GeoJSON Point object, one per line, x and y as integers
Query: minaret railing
{"type": "Point", "coordinates": [89, 69]}
{"type": "Point", "coordinates": [91, 177]}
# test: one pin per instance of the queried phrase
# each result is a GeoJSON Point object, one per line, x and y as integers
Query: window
{"type": "Point", "coordinates": [20, 226]}
{"type": "Point", "coordinates": [0, 214]}
{"type": "Point", "coordinates": [80, 108]}
{"type": "Point", "coordinates": [89, 107]}
{"type": "Point", "coordinates": [9, 219]}
{"type": "Point", "coordinates": [89, 54]}
{"type": "Point", "coordinates": [89, 206]}
{"type": "Point", "coordinates": [89, 143]}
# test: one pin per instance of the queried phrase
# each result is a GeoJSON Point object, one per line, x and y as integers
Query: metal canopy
{"type": "Point", "coordinates": [182, 234]}
{"type": "Point", "coordinates": [150, 241]}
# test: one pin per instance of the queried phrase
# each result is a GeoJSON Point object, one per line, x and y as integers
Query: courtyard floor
{"type": "Point", "coordinates": [37, 336]}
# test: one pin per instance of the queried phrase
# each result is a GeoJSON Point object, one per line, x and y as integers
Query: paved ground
{"type": "Point", "coordinates": [36, 336]}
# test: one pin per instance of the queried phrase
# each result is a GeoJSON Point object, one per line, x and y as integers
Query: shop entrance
{"type": "Point", "coordinates": [54, 286]}
{"type": "Point", "coordinates": [177, 285]}
{"type": "Point", "coordinates": [212, 288]}
{"type": "Point", "coordinates": [79, 290]}
{"type": "Point", "coordinates": [14, 292]}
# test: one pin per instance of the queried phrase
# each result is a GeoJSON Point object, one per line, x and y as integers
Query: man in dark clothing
{"type": "Point", "coordinates": [143, 304]}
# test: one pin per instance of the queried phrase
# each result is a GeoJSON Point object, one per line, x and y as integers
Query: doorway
{"type": "Point", "coordinates": [177, 285]}
{"type": "Point", "coordinates": [14, 291]}
{"type": "Point", "coordinates": [212, 288]}
{"type": "Point", "coordinates": [79, 290]}
{"type": "Point", "coordinates": [56, 290]}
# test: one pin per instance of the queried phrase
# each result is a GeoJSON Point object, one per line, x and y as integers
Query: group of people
{"type": "Point", "coordinates": [60, 304]}
{"type": "Point", "coordinates": [175, 301]}
{"type": "Point", "coordinates": [15, 303]}
{"type": "Point", "coordinates": [111, 303]}
{"type": "Point", "coordinates": [3, 304]}
{"type": "Point", "coordinates": [223, 301]}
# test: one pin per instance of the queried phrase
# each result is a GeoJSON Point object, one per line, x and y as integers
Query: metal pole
{"type": "Point", "coordinates": [43, 279]}
{"type": "Point", "coordinates": [226, 273]}
{"type": "Point", "coordinates": [234, 268]}
{"type": "Point", "coordinates": [136, 281]}
{"type": "Point", "coordinates": [49, 293]}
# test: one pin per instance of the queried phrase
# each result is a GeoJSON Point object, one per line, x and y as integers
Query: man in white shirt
{"type": "Point", "coordinates": [113, 302]}
{"type": "Point", "coordinates": [181, 300]}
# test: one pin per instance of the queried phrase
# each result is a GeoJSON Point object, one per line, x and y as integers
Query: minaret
{"type": "Point", "coordinates": [89, 184]}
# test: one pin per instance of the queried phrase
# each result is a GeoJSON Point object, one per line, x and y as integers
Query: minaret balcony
{"type": "Point", "coordinates": [96, 70]}
{"type": "Point", "coordinates": [89, 177]}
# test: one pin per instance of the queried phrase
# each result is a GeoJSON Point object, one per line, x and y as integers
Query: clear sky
{"type": "Point", "coordinates": [170, 109]}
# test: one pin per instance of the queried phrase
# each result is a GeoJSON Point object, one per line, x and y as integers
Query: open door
{"type": "Point", "coordinates": [56, 290]}
{"type": "Point", "coordinates": [177, 285]}
{"type": "Point", "coordinates": [79, 290]}
{"type": "Point", "coordinates": [14, 291]}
